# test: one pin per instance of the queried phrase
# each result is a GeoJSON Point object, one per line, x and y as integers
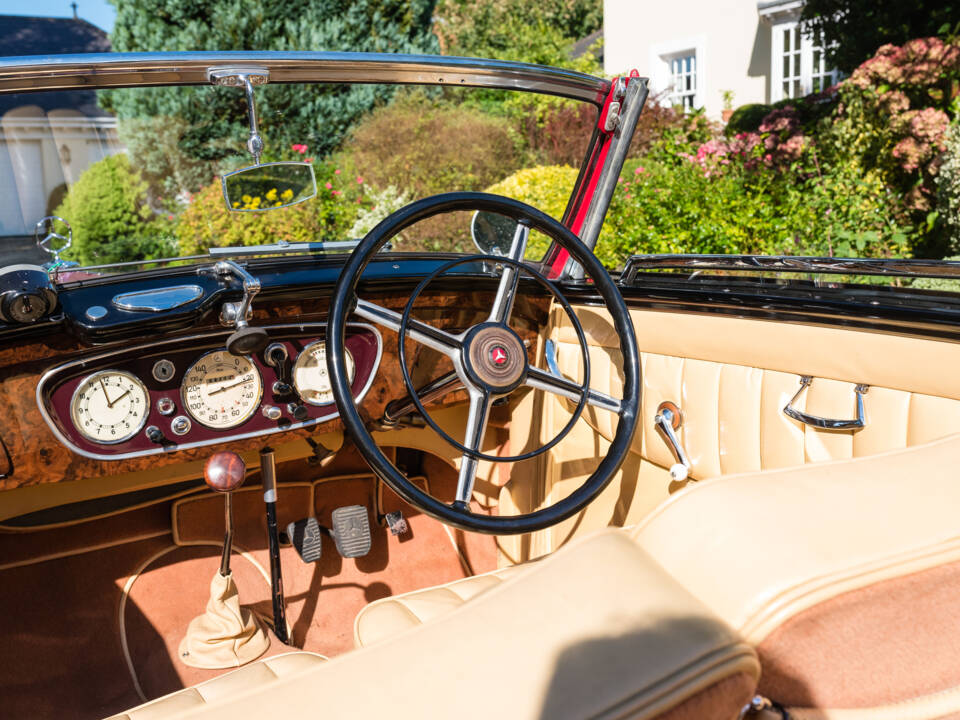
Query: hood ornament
{"type": "Point", "coordinates": [47, 230]}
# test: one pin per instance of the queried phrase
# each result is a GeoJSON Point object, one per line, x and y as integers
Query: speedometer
{"type": "Point", "coordinates": [310, 374]}
{"type": "Point", "coordinates": [221, 390]}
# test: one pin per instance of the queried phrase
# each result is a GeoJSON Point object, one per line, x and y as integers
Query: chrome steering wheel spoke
{"type": "Point", "coordinates": [477, 417]}
{"type": "Point", "coordinates": [421, 332]}
{"type": "Point", "coordinates": [510, 278]}
{"type": "Point", "coordinates": [559, 385]}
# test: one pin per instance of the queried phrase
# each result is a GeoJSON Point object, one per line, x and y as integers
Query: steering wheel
{"type": "Point", "coordinates": [489, 359]}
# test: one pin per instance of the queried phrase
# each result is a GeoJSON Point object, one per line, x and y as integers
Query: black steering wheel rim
{"type": "Point", "coordinates": [343, 302]}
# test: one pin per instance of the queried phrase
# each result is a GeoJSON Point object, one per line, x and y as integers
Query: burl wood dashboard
{"type": "Point", "coordinates": [40, 381]}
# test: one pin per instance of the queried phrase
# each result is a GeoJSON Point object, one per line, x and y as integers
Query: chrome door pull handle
{"type": "Point", "coordinates": [857, 423]}
{"type": "Point", "coordinates": [668, 419]}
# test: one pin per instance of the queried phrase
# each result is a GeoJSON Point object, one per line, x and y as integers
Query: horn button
{"type": "Point", "coordinates": [495, 357]}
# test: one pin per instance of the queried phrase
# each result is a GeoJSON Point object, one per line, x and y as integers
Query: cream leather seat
{"type": "Point", "coordinates": [386, 617]}
{"type": "Point", "coordinates": [845, 576]}
{"type": "Point", "coordinates": [263, 674]}
{"type": "Point", "coordinates": [626, 641]}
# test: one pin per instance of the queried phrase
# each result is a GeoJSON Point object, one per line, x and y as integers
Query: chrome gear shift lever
{"type": "Point", "coordinates": [226, 634]}
{"type": "Point", "coordinates": [224, 472]}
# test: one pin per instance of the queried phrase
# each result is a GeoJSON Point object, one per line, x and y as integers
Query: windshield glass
{"type": "Point", "coordinates": [137, 173]}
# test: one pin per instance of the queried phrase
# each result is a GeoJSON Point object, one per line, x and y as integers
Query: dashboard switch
{"type": "Point", "coordinates": [154, 434]}
{"type": "Point", "coordinates": [299, 412]}
{"type": "Point", "coordinates": [271, 412]}
{"type": "Point", "coordinates": [166, 406]}
{"type": "Point", "coordinates": [180, 425]}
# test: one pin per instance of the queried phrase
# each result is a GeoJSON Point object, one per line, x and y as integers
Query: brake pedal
{"type": "Point", "coordinates": [307, 537]}
{"type": "Point", "coordinates": [351, 531]}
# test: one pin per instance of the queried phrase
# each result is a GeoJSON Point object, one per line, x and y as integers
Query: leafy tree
{"type": "Point", "coordinates": [213, 119]}
{"type": "Point", "coordinates": [539, 32]}
{"type": "Point", "coordinates": [855, 29]}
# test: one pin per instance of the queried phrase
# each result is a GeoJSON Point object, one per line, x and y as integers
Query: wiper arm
{"type": "Point", "coordinates": [283, 247]}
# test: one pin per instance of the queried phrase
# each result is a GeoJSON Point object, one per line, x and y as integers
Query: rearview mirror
{"type": "Point", "coordinates": [492, 233]}
{"type": "Point", "coordinates": [269, 186]}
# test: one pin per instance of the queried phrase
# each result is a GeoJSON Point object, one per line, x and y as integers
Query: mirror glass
{"type": "Point", "coordinates": [269, 186]}
{"type": "Point", "coordinates": [492, 233]}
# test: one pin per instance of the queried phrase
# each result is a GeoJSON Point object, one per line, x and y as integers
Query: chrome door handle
{"type": "Point", "coordinates": [854, 424]}
{"type": "Point", "coordinates": [668, 419]}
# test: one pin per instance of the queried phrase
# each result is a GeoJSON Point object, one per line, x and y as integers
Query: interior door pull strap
{"type": "Point", "coordinates": [857, 423]}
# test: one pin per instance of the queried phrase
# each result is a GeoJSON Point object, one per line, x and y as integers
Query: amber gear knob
{"type": "Point", "coordinates": [224, 471]}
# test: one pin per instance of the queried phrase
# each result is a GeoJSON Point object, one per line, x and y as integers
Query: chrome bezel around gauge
{"type": "Point", "coordinates": [251, 410]}
{"type": "Point", "coordinates": [307, 349]}
{"type": "Point", "coordinates": [98, 374]}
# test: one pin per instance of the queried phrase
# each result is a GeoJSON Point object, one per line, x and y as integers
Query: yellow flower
{"type": "Point", "coordinates": [287, 195]}
{"type": "Point", "coordinates": [247, 199]}
{"type": "Point", "coordinates": [272, 194]}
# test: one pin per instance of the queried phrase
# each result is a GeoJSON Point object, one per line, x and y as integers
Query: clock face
{"type": "Point", "coordinates": [221, 390]}
{"type": "Point", "coordinates": [310, 376]}
{"type": "Point", "coordinates": [109, 406]}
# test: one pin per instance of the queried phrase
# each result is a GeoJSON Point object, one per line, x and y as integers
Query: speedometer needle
{"type": "Point", "coordinates": [228, 387]}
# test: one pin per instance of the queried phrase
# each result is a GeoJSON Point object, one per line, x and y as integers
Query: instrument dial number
{"type": "Point", "coordinates": [109, 407]}
{"type": "Point", "coordinates": [221, 390]}
{"type": "Point", "coordinates": [310, 376]}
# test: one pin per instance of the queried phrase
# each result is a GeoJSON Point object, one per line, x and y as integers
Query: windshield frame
{"type": "Point", "coordinates": [618, 101]}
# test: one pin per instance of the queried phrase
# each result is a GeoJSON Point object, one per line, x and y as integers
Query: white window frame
{"type": "Point", "coordinates": [807, 75]}
{"type": "Point", "coordinates": [661, 57]}
{"type": "Point", "coordinates": [683, 71]}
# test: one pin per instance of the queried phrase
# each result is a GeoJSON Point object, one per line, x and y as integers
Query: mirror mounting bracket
{"type": "Point", "coordinates": [245, 77]}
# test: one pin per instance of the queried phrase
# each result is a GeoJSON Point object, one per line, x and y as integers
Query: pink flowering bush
{"type": "Point", "coordinates": [849, 172]}
{"type": "Point", "coordinates": [892, 118]}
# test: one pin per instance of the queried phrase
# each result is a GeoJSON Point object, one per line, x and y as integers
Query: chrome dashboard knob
{"type": "Point", "coordinates": [271, 412]}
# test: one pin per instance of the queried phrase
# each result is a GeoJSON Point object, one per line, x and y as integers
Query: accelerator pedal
{"type": "Point", "coordinates": [306, 536]}
{"type": "Point", "coordinates": [351, 531]}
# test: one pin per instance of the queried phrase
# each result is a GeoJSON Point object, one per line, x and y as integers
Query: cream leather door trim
{"type": "Point", "coordinates": [733, 402]}
{"type": "Point", "coordinates": [888, 360]}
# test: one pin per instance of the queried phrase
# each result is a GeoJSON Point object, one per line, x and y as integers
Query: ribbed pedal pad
{"type": "Point", "coordinates": [351, 531]}
{"type": "Point", "coordinates": [307, 537]}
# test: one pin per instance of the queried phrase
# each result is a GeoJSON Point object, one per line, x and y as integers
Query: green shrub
{"type": "Point", "coordinates": [746, 118]}
{"type": "Point", "coordinates": [111, 219]}
{"type": "Point", "coordinates": [155, 148]}
{"type": "Point", "coordinates": [694, 208]}
{"type": "Point", "coordinates": [424, 149]}
{"type": "Point", "coordinates": [545, 188]}
{"type": "Point", "coordinates": [206, 222]}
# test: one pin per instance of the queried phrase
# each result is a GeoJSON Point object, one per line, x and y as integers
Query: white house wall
{"type": "Point", "coordinates": [731, 42]}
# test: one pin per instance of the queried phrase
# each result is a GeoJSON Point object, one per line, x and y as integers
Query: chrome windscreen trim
{"type": "Point", "coordinates": [157, 299]}
{"type": "Point", "coordinates": [115, 70]}
{"type": "Point", "coordinates": [791, 264]}
{"type": "Point", "coordinates": [297, 327]}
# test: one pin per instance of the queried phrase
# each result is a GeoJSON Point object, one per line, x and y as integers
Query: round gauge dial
{"type": "Point", "coordinates": [310, 374]}
{"type": "Point", "coordinates": [221, 390]}
{"type": "Point", "coordinates": [109, 406]}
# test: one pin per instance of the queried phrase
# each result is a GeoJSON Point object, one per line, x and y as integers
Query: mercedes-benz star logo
{"type": "Point", "coordinates": [498, 354]}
